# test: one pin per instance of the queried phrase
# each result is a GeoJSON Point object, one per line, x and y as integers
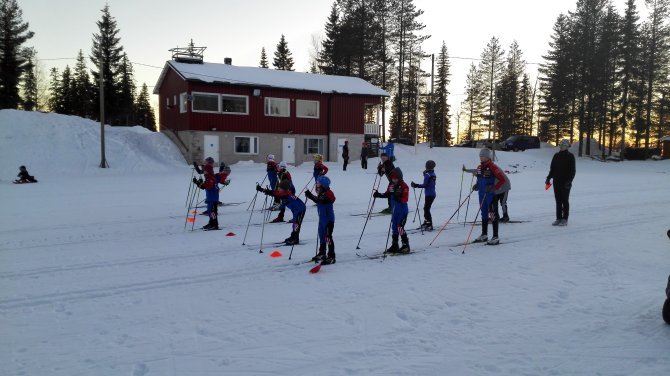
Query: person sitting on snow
{"type": "Point", "coordinates": [24, 176]}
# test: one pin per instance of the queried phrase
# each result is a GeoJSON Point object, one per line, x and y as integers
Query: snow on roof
{"type": "Point", "coordinates": [666, 138]}
{"type": "Point", "coordinates": [262, 77]}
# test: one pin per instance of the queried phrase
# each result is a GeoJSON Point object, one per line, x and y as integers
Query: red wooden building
{"type": "Point", "coordinates": [234, 113]}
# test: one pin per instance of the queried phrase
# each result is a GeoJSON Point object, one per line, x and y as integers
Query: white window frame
{"type": "Point", "coordinates": [218, 102]}
{"type": "Point", "coordinates": [268, 99]}
{"type": "Point", "coordinates": [254, 143]}
{"type": "Point", "coordinates": [246, 100]}
{"type": "Point", "coordinates": [298, 102]}
{"type": "Point", "coordinates": [182, 103]}
{"type": "Point", "coordinates": [319, 147]}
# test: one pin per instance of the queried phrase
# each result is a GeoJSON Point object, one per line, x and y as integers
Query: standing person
{"type": "Point", "coordinates": [364, 155]}
{"type": "Point", "coordinates": [429, 178]}
{"type": "Point", "coordinates": [345, 154]}
{"type": "Point", "coordinates": [320, 169]}
{"type": "Point", "coordinates": [24, 176]}
{"type": "Point", "coordinates": [384, 168]}
{"type": "Point", "coordinates": [283, 175]}
{"type": "Point", "coordinates": [324, 200]}
{"type": "Point", "coordinates": [398, 192]}
{"type": "Point", "coordinates": [389, 149]}
{"type": "Point", "coordinates": [211, 186]}
{"type": "Point", "coordinates": [272, 169]}
{"type": "Point", "coordinates": [288, 199]}
{"type": "Point", "coordinates": [562, 170]}
{"type": "Point", "coordinates": [490, 179]}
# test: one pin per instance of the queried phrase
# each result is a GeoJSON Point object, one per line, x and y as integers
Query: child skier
{"type": "Point", "coordinates": [211, 186]}
{"type": "Point", "coordinates": [320, 169]}
{"type": "Point", "coordinates": [384, 168]}
{"type": "Point", "coordinates": [398, 192]}
{"type": "Point", "coordinates": [490, 182]}
{"type": "Point", "coordinates": [272, 169]}
{"type": "Point", "coordinates": [429, 186]}
{"type": "Point", "coordinates": [24, 176]}
{"type": "Point", "coordinates": [282, 175]}
{"type": "Point", "coordinates": [324, 200]}
{"type": "Point", "coordinates": [288, 199]}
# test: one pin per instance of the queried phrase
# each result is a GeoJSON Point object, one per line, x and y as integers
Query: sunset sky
{"type": "Point", "coordinates": [239, 29]}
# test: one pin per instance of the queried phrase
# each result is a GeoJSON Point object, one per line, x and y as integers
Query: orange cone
{"type": "Point", "coordinates": [189, 219]}
{"type": "Point", "coordinates": [230, 234]}
{"type": "Point", "coordinates": [276, 254]}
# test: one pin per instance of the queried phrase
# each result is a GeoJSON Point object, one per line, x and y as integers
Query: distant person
{"type": "Point", "coordinates": [345, 155]}
{"type": "Point", "coordinates": [389, 149]}
{"type": "Point", "coordinates": [429, 179]}
{"type": "Point", "coordinates": [320, 169]}
{"type": "Point", "coordinates": [364, 155]}
{"type": "Point", "coordinates": [211, 186]}
{"type": "Point", "coordinates": [490, 180]}
{"type": "Point", "coordinates": [24, 176]}
{"type": "Point", "coordinates": [384, 168]}
{"type": "Point", "coordinates": [562, 170]}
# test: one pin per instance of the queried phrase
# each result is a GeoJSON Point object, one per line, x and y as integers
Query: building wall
{"type": "Point", "coordinates": [169, 115]}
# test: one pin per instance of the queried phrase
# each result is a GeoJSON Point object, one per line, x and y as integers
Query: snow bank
{"type": "Point", "coordinates": [56, 145]}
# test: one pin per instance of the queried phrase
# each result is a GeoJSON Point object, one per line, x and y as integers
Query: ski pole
{"type": "Point", "coordinates": [190, 187]}
{"type": "Point", "coordinates": [467, 207]}
{"type": "Point", "coordinates": [260, 250]}
{"type": "Point", "coordinates": [190, 206]}
{"type": "Point", "coordinates": [250, 214]}
{"type": "Point", "coordinates": [305, 187]}
{"type": "Point", "coordinates": [373, 189]}
{"type": "Point", "coordinates": [254, 200]}
{"type": "Point", "coordinates": [197, 199]}
{"type": "Point", "coordinates": [472, 227]}
{"type": "Point", "coordinates": [450, 218]}
{"type": "Point", "coordinates": [388, 234]}
{"type": "Point", "coordinates": [417, 203]}
{"type": "Point", "coordinates": [366, 223]}
{"type": "Point", "coordinates": [460, 193]}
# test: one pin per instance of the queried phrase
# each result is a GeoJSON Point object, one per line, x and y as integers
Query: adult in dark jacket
{"type": "Point", "coordinates": [345, 154]}
{"type": "Point", "coordinates": [324, 200]}
{"type": "Point", "coordinates": [562, 170]}
{"type": "Point", "coordinates": [364, 155]}
{"type": "Point", "coordinates": [384, 168]}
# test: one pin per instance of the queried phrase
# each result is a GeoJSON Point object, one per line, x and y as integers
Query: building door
{"type": "Point", "coordinates": [288, 150]}
{"type": "Point", "coordinates": [340, 145]}
{"type": "Point", "coordinates": [212, 147]}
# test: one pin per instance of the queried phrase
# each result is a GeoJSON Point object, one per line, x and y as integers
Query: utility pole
{"type": "Point", "coordinates": [103, 160]}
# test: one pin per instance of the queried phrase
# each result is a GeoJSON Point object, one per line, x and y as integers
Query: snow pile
{"type": "Point", "coordinates": [55, 145]}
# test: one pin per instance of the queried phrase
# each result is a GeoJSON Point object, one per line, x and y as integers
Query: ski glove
{"type": "Point", "coordinates": [197, 182]}
{"type": "Point", "coordinates": [197, 168]}
{"type": "Point", "coordinates": [547, 182]}
{"type": "Point", "coordinates": [309, 195]}
{"type": "Point", "coordinates": [475, 187]}
{"type": "Point", "coordinates": [226, 182]}
{"type": "Point", "coordinates": [259, 188]}
{"type": "Point", "coordinates": [413, 184]}
{"type": "Point", "coordinates": [377, 194]}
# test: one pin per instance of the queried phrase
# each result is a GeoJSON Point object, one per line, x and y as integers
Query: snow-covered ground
{"type": "Point", "coordinates": [99, 277]}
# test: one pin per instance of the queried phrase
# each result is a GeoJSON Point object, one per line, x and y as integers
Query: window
{"type": "Point", "coordinates": [246, 145]}
{"type": "Point", "coordinates": [205, 102]}
{"type": "Point", "coordinates": [307, 109]}
{"type": "Point", "coordinates": [313, 146]}
{"type": "Point", "coordinates": [277, 107]}
{"type": "Point", "coordinates": [234, 104]}
{"type": "Point", "coordinates": [182, 102]}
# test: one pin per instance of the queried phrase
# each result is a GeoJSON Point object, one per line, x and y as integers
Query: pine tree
{"type": "Point", "coordinates": [491, 68]}
{"type": "Point", "coordinates": [65, 92]}
{"type": "Point", "coordinates": [30, 95]}
{"type": "Point", "coordinates": [524, 107]}
{"type": "Point", "coordinates": [329, 58]}
{"type": "Point", "coordinates": [630, 63]}
{"type": "Point", "coordinates": [264, 59]}
{"type": "Point", "coordinates": [106, 50]}
{"type": "Point", "coordinates": [83, 90]}
{"type": "Point", "coordinates": [125, 92]}
{"type": "Point", "coordinates": [283, 59]}
{"type": "Point", "coordinates": [507, 98]}
{"type": "Point", "coordinates": [474, 101]}
{"type": "Point", "coordinates": [144, 114]}
{"type": "Point", "coordinates": [13, 56]}
{"type": "Point", "coordinates": [441, 117]}
{"type": "Point", "coordinates": [54, 86]}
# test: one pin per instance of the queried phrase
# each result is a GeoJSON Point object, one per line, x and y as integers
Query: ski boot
{"type": "Point", "coordinates": [293, 239]}
{"type": "Point", "coordinates": [405, 245]}
{"type": "Point", "coordinates": [493, 241]}
{"type": "Point", "coordinates": [394, 245]}
{"type": "Point", "coordinates": [504, 219]}
{"type": "Point", "coordinates": [564, 222]}
{"type": "Point", "coordinates": [321, 255]}
{"type": "Point", "coordinates": [481, 238]}
{"type": "Point", "coordinates": [427, 226]}
{"type": "Point", "coordinates": [330, 259]}
{"type": "Point", "coordinates": [277, 220]}
{"type": "Point", "coordinates": [557, 222]}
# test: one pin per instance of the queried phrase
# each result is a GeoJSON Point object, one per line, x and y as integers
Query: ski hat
{"type": "Point", "coordinates": [485, 152]}
{"type": "Point", "coordinates": [430, 164]}
{"type": "Point", "coordinates": [282, 164]}
{"type": "Point", "coordinates": [209, 160]}
{"type": "Point", "coordinates": [318, 157]}
{"type": "Point", "coordinates": [396, 173]}
{"type": "Point", "coordinates": [324, 181]}
{"type": "Point", "coordinates": [22, 168]}
{"type": "Point", "coordinates": [226, 169]}
{"type": "Point", "coordinates": [383, 155]}
{"type": "Point", "coordinates": [271, 157]}
{"type": "Point", "coordinates": [564, 144]}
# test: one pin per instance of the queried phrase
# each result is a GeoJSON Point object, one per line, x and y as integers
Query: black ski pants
{"type": "Point", "coordinates": [562, 196]}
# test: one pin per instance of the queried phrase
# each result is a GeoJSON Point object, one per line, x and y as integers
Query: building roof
{"type": "Point", "coordinates": [262, 77]}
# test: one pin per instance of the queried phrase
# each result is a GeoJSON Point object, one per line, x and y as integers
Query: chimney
{"type": "Point", "coordinates": [227, 61]}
